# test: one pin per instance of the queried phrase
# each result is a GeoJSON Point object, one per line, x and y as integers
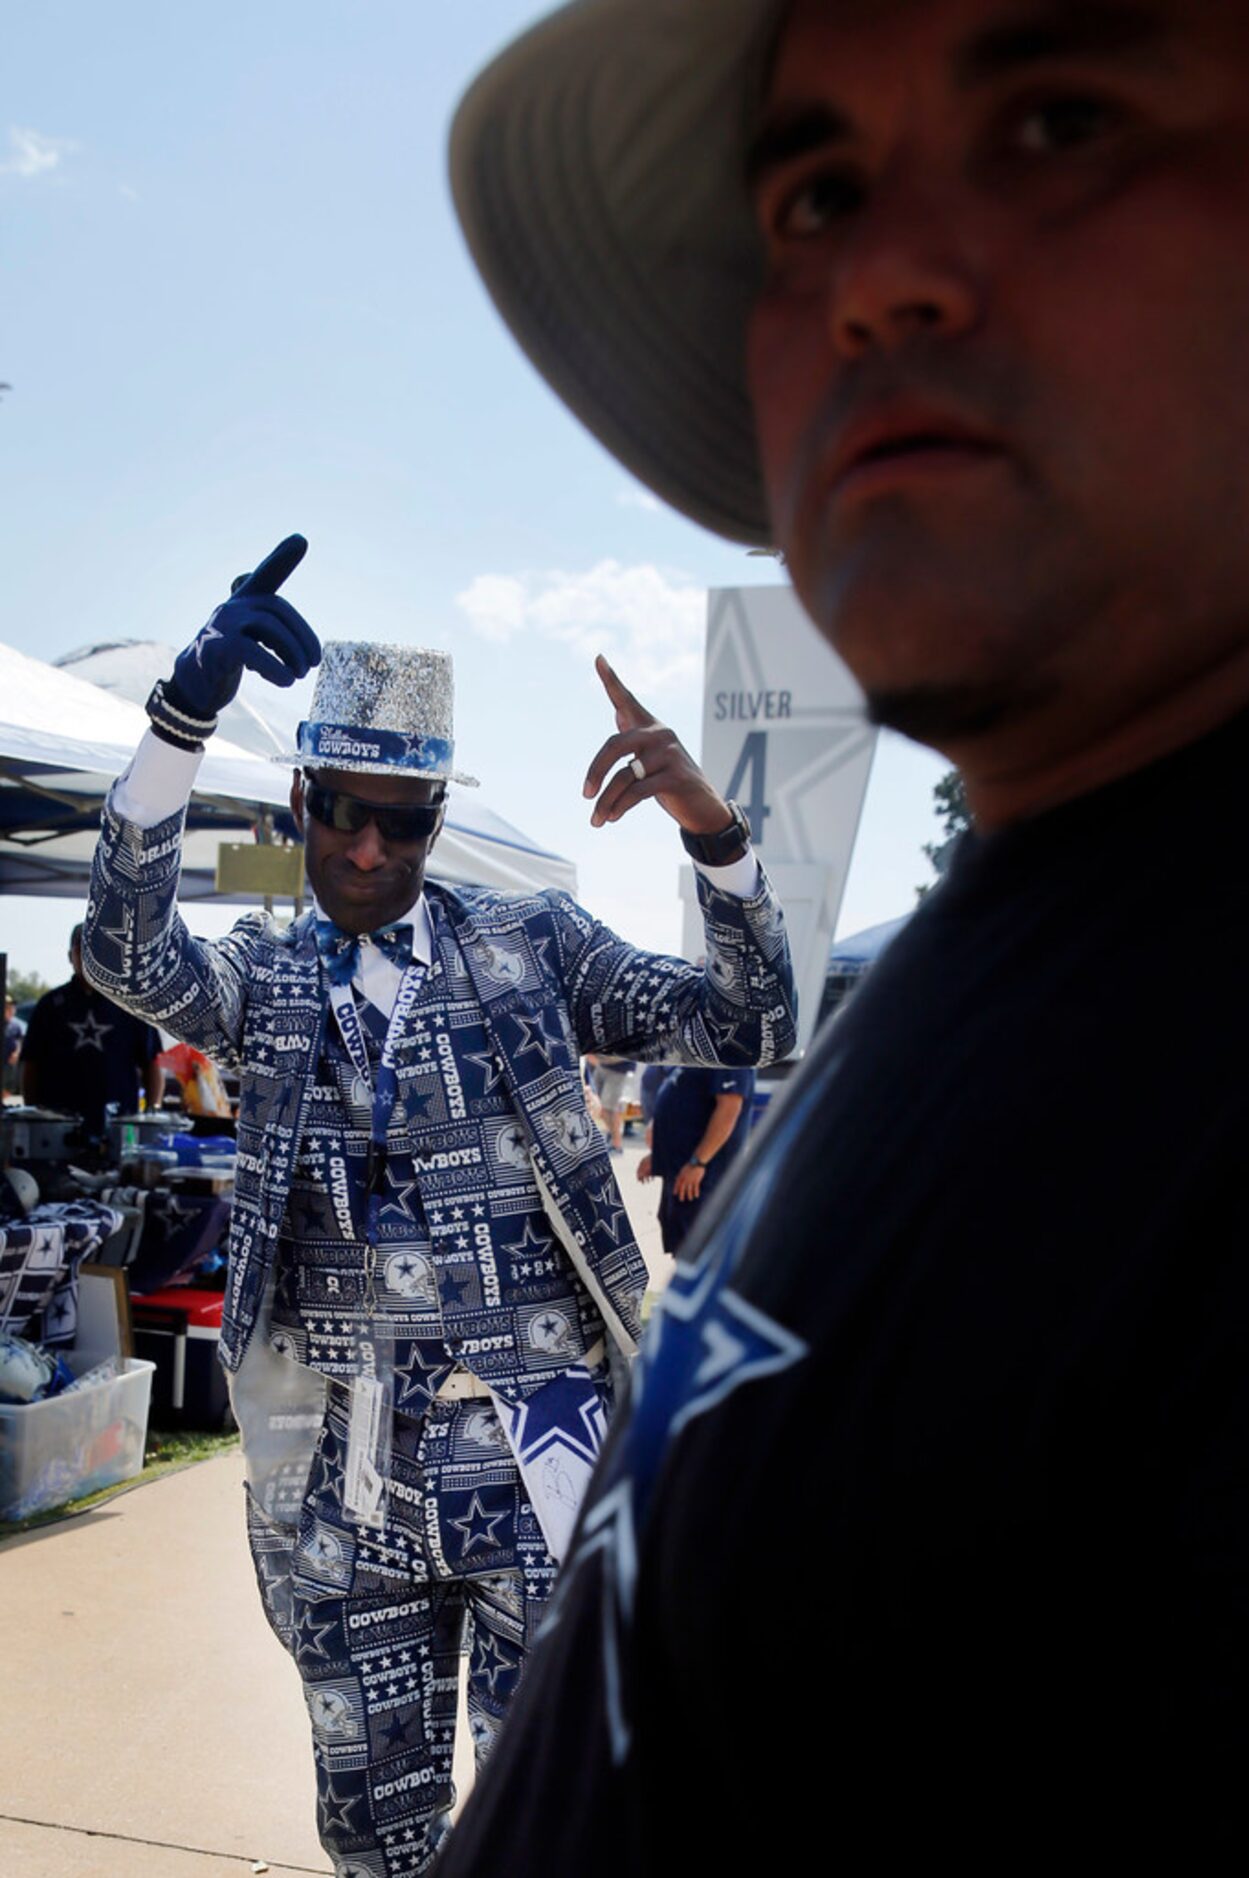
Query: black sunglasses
{"type": "Point", "coordinates": [396, 821]}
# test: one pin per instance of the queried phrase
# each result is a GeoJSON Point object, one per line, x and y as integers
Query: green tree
{"type": "Point", "coordinates": [950, 806]}
{"type": "Point", "coordinates": [24, 985]}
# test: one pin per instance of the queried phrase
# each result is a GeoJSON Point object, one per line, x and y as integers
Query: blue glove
{"type": "Point", "coordinates": [253, 630]}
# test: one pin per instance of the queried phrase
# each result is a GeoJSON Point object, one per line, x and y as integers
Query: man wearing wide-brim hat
{"type": "Point", "coordinates": [946, 1561]}
{"type": "Point", "coordinates": [431, 1267]}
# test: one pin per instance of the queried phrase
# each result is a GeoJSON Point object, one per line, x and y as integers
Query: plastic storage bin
{"type": "Point", "coordinates": [55, 1451]}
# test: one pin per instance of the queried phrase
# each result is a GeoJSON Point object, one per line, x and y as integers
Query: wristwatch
{"type": "Point", "coordinates": [718, 850]}
{"type": "Point", "coordinates": [695, 1162]}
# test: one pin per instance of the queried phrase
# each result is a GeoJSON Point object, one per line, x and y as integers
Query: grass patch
{"type": "Point", "coordinates": [168, 1450]}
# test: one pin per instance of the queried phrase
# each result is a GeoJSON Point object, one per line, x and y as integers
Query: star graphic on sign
{"type": "Point", "coordinates": [251, 1101]}
{"type": "Point", "coordinates": [90, 1033]}
{"type": "Point", "coordinates": [397, 1732]}
{"type": "Point", "coordinates": [492, 1661]}
{"type": "Point", "coordinates": [477, 1526]}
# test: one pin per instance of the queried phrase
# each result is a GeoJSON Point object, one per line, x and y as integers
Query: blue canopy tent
{"type": "Point", "coordinates": [850, 958]}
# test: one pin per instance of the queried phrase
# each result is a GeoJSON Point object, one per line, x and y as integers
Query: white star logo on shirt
{"type": "Point", "coordinates": [90, 1033]}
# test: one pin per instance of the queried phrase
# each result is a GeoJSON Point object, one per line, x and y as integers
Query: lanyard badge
{"type": "Point", "coordinates": [367, 1465]}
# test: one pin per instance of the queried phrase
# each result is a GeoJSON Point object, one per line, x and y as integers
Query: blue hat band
{"type": "Point", "coordinates": [341, 743]}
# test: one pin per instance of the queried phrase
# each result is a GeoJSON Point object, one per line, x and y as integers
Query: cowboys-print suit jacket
{"type": "Point", "coordinates": [256, 1002]}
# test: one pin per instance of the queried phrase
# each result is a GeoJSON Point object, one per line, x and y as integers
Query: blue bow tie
{"type": "Point", "coordinates": [340, 951]}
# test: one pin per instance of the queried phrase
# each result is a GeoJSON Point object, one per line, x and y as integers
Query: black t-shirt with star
{"type": "Point", "coordinates": [924, 1539]}
{"type": "Point", "coordinates": [87, 1052]}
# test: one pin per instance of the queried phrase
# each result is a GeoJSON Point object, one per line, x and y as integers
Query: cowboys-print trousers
{"type": "Point", "coordinates": [376, 1623]}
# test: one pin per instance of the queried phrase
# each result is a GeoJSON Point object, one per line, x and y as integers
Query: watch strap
{"type": "Point", "coordinates": [720, 849]}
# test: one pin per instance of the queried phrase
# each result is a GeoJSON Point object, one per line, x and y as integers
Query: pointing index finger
{"type": "Point", "coordinates": [276, 567]}
{"type": "Point", "coordinates": [630, 715]}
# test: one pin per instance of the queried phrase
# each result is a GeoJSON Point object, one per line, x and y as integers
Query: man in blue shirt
{"type": "Point", "coordinates": [702, 1119]}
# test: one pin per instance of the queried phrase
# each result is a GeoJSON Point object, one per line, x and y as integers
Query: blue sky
{"type": "Point", "coordinates": [237, 304]}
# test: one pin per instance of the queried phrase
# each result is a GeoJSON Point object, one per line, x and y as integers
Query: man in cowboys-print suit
{"type": "Point", "coordinates": [431, 1265]}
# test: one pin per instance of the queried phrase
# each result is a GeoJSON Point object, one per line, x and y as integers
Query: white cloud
{"type": "Point", "coordinates": [33, 153]}
{"type": "Point", "coordinates": [124, 189]}
{"type": "Point", "coordinates": [633, 497]}
{"type": "Point", "coordinates": [648, 621]}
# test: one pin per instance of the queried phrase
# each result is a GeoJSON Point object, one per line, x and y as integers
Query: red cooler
{"type": "Point", "coordinates": [180, 1331]}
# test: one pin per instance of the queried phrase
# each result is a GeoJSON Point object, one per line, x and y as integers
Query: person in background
{"type": "Point", "coordinates": [700, 1125]}
{"type": "Point", "coordinates": [609, 1077]}
{"type": "Point", "coordinates": [83, 1053]}
{"type": "Point", "coordinates": [650, 1083]}
{"type": "Point", "coordinates": [14, 1031]}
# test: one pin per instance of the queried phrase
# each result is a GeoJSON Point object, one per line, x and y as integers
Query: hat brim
{"type": "Point", "coordinates": [598, 170]}
{"type": "Point", "coordinates": [299, 759]}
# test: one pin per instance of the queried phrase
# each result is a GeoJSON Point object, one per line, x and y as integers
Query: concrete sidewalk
{"type": "Point", "coordinates": [152, 1724]}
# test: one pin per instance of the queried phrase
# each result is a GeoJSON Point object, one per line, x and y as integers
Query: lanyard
{"type": "Point", "coordinates": [366, 1467]}
{"type": "Point", "coordinates": [385, 1093]}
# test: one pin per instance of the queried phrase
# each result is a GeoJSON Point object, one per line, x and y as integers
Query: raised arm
{"type": "Point", "coordinates": [136, 947]}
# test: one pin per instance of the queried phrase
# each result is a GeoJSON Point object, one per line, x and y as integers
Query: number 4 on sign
{"type": "Point", "coordinates": [752, 763]}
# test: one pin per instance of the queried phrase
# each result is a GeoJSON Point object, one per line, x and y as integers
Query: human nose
{"type": "Point", "coordinates": [366, 849]}
{"type": "Point", "coordinates": [903, 274]}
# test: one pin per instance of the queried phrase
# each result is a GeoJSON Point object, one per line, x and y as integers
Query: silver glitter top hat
{"type": "Point", "coordinates": [380, 711]}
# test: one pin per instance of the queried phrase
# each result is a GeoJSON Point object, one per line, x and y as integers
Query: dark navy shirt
{"type": "Point", "coordinates": [683, 1108]}
{"type": "Point", "coordinates": [87, 1052]}
{"type": "Point", "coordinates": [928, 1509]}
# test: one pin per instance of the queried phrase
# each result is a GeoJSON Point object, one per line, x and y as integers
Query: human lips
{"type": "Point", "coordinates": [362, 884]}
{"type": "Point", "coordinates": [889, 445]}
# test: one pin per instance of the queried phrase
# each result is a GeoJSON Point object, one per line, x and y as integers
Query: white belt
{"type": "Point", "coordinates": [461, 1384]}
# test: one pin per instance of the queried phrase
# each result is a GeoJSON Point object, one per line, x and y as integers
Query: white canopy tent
{"type": "Point", "coordinates": [63, 740]}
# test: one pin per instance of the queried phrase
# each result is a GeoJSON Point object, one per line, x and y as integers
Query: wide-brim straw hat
{"type": "Point", "coordinates": [381, 710]}
{"type": "Point", "coordinates": [598, 168]}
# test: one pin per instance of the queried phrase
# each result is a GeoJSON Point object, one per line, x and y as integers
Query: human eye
{"type": "Point", "coordinates": [1068, 122]}
{"type": "Point", "coordinates": [802, 210]}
